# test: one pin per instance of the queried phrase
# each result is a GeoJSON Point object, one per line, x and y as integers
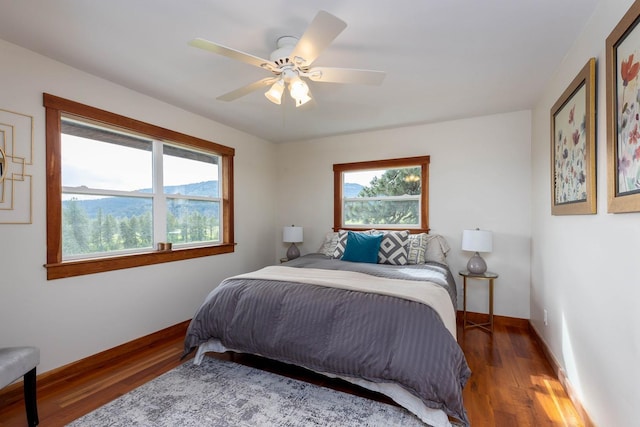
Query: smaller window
{"type": "Point", "coordinates": [382, 194]}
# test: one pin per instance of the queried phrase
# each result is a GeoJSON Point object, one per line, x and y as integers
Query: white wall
{"type": "Point", "coordinates": [480, 176]}
{"type": "Point", "coordinates": [73, 318]}
{"type": "Point", "coordinates": [585, 268]}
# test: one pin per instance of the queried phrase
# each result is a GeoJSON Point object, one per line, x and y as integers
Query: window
{"type": "Point", "coordinates": [117, 187]}
{"type": "Point", "coordinates": [388, 194]}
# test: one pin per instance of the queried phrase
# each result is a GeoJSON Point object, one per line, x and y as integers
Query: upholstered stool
{"type": "Point", "coordinates": [16, 362]}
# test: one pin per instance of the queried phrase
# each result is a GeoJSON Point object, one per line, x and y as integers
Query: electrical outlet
{"type": "Point", "coordinates": [546, 319]}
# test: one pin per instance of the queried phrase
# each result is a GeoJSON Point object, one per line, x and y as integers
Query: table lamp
{"type": "Point", "coordinates": [477, 241]}
{"type": "Point", "coordinates": [292, 235]}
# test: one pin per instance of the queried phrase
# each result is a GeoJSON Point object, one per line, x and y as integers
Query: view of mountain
{"type": "Point", "coordinates": [126, 207]}
{"type": "Point", "coordinates": [351, 189]}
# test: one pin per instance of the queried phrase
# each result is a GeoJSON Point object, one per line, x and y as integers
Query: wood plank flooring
{"type": "Point", "coordinates": [512, 383]}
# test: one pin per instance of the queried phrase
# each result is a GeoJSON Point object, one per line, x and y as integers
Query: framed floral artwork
{"type": "Point", "coordinates": [573, 147]}
{"type": "Point", "coordinates": [623, 114]}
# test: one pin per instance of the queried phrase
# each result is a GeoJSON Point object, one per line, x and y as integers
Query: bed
{"type": "Point", "coordinates": [386, 327]}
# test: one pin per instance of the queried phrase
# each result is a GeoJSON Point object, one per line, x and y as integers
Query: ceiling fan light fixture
{"type": "Point", "coordinates": [274, 94]}
{"type": "Point", "coordinates": [298, 88]}
{"type": "Point", "coordinates": [299, 91]}
{"type": "Point", "coordinates": [302, 100]}
{"type": "Point", "coordinates": [292, 60]}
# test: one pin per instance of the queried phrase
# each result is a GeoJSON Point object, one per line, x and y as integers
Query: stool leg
{"type": "Point", "coordinates": [30, 397]}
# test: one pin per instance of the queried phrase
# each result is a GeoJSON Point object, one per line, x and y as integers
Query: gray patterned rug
{"type": "Point", "coordinates": [222, 393]}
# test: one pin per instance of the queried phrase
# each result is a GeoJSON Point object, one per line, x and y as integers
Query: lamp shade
{"type": "Point", "coordinates": [292, 234]}
{"type": "Point", "coordinates": [298, 88]}
{"type": "Point", "coordinates": [477, 240]}
{"type": "Point", "coordinates": [299, 91]}
{"type": "Point", "coordinates": [302, 100]}
{"type": "Point", "coordinates": [274, 94]}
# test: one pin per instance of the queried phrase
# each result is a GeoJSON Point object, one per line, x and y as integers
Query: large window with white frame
{"type": "Point", "coordinates": [117, 188]}
{"type": "Point", "coordinates": [384, 194]}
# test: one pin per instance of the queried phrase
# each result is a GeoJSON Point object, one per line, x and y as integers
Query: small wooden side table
{"type": "Point", "coordinates": [487, 326]}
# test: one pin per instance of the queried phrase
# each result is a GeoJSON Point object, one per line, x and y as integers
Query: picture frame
{"type": "Point", "coordinates": [623, 113]}
{"type": "Point", "coordinates": [573, 146]}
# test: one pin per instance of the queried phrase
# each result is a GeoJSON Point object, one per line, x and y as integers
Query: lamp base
{"type": "Point", "coordinates": [293, 252]}
{"type": "Point", "coordinates": [476, 264]}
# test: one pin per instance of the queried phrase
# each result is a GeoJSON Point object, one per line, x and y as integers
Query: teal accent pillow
{"type": "Point", "coordinates": [362, 247]}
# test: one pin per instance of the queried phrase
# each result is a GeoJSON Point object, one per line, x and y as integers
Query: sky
{"type": "Point", "coordinates": [116, 167]}
{"type": "Point", "coordinates": [363, 178]}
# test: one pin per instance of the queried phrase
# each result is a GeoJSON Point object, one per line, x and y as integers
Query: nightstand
{"type": "Point", "coordinates": [489, 277]}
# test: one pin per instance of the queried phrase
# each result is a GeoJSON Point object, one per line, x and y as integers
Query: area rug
{"type": "Point", "coordinates": [223, 393]}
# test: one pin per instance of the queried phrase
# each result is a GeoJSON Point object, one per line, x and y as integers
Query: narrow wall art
{"type": "Point", "coordinates": [623, 114]}
{"type": "Point", "coordinates": [16, 152]}
{"type": "Point", "coordinates": [573, 146]}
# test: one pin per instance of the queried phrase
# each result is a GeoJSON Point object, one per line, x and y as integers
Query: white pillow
{"type": "Point", "coordinates": [437, 248]}
{"type": "Point", "coordinates": [329, 245]}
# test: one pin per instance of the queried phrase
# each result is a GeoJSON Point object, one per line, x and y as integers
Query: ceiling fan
{"type": "Point", "coordinates": [291, 62]}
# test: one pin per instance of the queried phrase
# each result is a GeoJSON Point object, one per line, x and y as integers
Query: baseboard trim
{"type": "Point", "coordinates": [562, 376]}
{"type": "Point", "coordinates": [14, 392]}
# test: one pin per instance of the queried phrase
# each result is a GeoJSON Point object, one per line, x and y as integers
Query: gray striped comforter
{"type": "Point", "coordinates": [355, 334]}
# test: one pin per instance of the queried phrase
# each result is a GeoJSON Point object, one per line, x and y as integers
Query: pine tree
{"type": "Point", "coordinates": [393, 182]}
{"type": "Point", "coordinates": [109, 233]}
{"type": "Point", "coordinates": [75, 229]}
{"type": "Point", "coordinates": [97, 243]}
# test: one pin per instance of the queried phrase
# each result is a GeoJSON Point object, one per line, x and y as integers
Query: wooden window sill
{"type": "Point", "coordinates": [99, 265]}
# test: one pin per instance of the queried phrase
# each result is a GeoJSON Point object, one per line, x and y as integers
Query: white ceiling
{"type": "Point", "coordinates": [444, 59]}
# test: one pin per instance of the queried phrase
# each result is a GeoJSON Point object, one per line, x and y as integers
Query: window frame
{"type": "Point", "coordinates": [340, 168]}
{"type": "Point", "coordinates": [55, 107]}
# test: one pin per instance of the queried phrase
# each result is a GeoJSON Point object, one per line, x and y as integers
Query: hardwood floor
{"type": "Point", "coordinates": [512, 382]}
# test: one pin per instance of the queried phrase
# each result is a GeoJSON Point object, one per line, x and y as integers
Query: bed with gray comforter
{"type": "Point", "coordinates": [374, 336]}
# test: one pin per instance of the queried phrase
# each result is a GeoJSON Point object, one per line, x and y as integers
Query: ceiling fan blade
{"type": "Point", "coordinates": [231, 53]}
{"type": "Point", "coordinates": [245, 90]}
{"type": "Point", "coordinates": [346, 75]}
{"type": "Point", "coordinates": [321, 32]}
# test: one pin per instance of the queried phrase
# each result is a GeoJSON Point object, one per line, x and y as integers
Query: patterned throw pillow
{"type": "Point", "coordinates": [416, 248]}
{"type": "Point", "coordinates": [393, 247]}
{"type": "Point", "coordinates": [425, 247]}
{"type": "Point", "coordinates": [341, 244]}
